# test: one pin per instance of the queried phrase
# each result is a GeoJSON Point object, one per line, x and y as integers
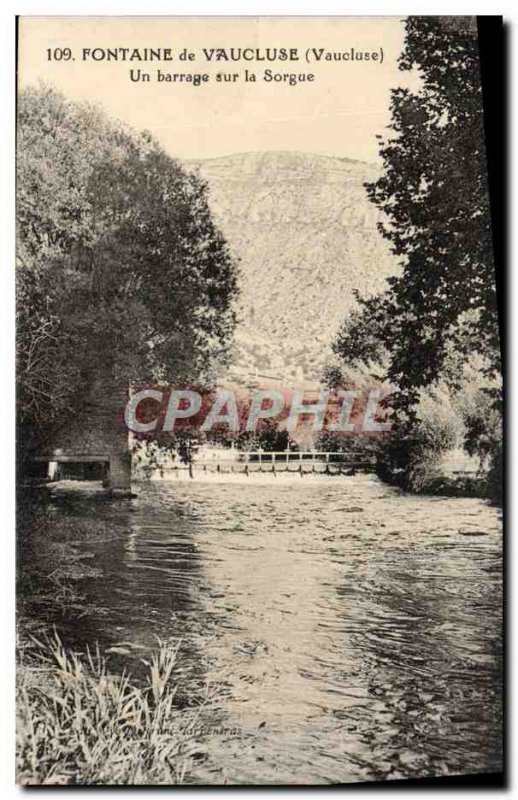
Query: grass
{"type": "Point", "coordinates": [79, 724]}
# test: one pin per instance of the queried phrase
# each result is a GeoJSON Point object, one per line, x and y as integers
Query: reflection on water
{"type": "Point", "coordinates": [354, 632]}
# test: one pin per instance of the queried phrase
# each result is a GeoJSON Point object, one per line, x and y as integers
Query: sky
{"type": "Point", "coordinates": [338, 114]}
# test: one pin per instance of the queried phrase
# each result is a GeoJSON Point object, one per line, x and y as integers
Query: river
{"type": "Point", "coordinates": [347, 631]}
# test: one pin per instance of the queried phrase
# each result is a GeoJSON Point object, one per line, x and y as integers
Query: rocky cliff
{"type": "Point", "coordinates": [306, 237]}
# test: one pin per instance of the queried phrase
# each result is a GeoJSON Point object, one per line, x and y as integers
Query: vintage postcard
{"type": "Point", "coordinates": [259, 401]}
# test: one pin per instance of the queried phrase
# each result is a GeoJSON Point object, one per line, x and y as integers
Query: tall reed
{"type": "Point", "coordinates": [79, 724]}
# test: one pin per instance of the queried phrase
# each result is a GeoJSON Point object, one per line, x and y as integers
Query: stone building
{"type": "Point", "coordinates": [92, 443]}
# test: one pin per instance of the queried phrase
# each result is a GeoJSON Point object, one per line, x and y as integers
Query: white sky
{"type": "Point", "coordinates": [339, 114]}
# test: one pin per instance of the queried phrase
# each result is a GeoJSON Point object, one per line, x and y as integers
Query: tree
{"type": "Point", "coordinates": [438, 316]}
{"type": "Point", "coordinates": [434, 196]}
{"type": "Point", "coordinates": [119, 264]}
{"type": "Point", "coordinates": [268, 437]}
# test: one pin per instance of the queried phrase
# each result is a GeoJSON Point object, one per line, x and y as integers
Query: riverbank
{"type": "Point", "coordinates": [460, 486]}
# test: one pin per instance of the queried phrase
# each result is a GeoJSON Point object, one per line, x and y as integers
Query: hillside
{"type": "Point", "coordinates": [306, 237]}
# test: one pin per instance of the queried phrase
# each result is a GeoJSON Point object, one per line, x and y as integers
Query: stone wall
{"type": "Point", "coordinates": [97, 428]}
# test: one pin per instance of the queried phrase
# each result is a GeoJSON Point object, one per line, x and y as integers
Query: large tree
{"type": "Point", "coordinates": [119, 263]}
{"type": "Point", "coordinates": [433, 193]}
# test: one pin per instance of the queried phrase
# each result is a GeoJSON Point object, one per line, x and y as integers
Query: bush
{"type": "Point", "coordinates": [410, 456]}
{"type": "Point", "coordinates": [484, 439]}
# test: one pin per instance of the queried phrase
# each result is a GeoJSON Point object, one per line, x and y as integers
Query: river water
{"type": "Point", "coordinates": [347, 631]}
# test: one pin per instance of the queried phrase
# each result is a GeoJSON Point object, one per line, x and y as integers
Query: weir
{"type": "Point", "coordinates": [249, 463]}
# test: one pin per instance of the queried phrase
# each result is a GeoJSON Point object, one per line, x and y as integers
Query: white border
{"type": "Point", "coordinates": [508, 8]}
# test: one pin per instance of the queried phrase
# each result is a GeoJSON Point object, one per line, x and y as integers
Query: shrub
{"type": "Point", "coordinates": [410, 456]}
{"type": "Point", "coordinates": [484, 439]}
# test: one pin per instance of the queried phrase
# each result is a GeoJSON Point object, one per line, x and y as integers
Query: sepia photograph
{"type": "Point", "coordinates": [259, 401]}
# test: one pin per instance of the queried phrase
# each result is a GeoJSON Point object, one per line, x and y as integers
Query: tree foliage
{"type": "Point", "coordinates": [433, 193]}
{"type": "Point", "coordinates": [120, 266]}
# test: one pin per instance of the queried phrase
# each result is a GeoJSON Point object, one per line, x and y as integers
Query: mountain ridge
{"type": "Point", "coordinates": [305, 154]}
